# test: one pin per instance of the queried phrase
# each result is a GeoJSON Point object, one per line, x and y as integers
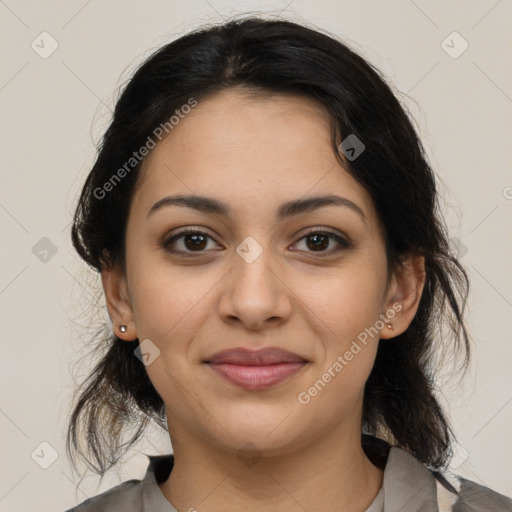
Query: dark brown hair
{"type": "Point", "coordinates": [400, 404]}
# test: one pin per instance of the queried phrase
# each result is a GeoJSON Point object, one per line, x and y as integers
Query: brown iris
{"type": "Point", "coordinates": [197, 241]}
{"type": "Point", "coordinates": [320, 241]}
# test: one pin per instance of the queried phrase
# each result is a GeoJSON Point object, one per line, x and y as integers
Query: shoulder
{"type": "Point", "coordinates": [134, 495]}
{"type": "Point", "coordinates": [125, 497]}
{"type": "Point", "coordinates": [411, 486]}
{"type": "Point", "coordinates": [459, 494]}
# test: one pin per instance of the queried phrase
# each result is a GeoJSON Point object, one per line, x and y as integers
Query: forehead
{"type": "Point", "coordinates": [240, 125]}
{"type": "Point", "coordinates": [243, 147]}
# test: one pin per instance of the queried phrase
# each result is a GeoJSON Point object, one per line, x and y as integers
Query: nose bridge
{"type": "Point", "coordinates": [255, 292]}
{"type": "Point", "coordinates": [252, 269]}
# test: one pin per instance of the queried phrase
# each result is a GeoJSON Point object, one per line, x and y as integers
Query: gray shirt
{"type": "Point", "coordinates": [408, 486]}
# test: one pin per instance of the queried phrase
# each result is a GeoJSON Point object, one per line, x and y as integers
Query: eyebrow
{"type": "Point", "coordinates": [288, 209]}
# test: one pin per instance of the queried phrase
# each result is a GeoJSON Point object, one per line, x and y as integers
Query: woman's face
{"type": "Point", "coordinates": [254, 278]}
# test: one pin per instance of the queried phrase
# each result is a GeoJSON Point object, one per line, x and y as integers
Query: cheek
{"type": "Point", "coordinates": [348, 304]}
{"type": "Point", "coordinates": [169, 308]}
{"type": "Point", "coordinates": [347, 301]}
{"type": "Point", "coordinates": [166, 300]}
{"type": "Point", "coordinates": [344, 359]}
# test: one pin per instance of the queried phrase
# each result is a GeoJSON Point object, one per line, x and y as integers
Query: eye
{"type": "Point", "coordinates": [188, 241]}
{"type": "Point", "coordinates": [322, 242]}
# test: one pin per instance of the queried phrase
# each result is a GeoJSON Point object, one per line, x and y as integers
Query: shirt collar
{"type": "Point", "coordinates": [158, 471]}
{"type": "Point", "coordinates": [408, 485]}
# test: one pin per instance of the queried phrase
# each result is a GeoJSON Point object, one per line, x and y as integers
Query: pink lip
{"type": "Point", "coordinates": [256, 369]}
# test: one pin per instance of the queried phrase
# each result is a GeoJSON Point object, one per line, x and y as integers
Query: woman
{"type": "Point", "coordinates": [276, 271]}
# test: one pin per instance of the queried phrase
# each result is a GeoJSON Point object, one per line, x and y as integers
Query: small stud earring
{"type": "Point", "coordinates": [390, 327]}
{"type": "Point", "coordinates": [122, 328]}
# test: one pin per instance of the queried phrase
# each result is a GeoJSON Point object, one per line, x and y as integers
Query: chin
{"type": "Point", "coordinates": [265, 427]}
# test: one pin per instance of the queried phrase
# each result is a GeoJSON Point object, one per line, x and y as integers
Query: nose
{"type": "Point", "coordinates": [254, 295]}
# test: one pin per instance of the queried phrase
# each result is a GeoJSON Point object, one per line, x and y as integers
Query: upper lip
{"type": "Point", "coordinates": [261, 357]}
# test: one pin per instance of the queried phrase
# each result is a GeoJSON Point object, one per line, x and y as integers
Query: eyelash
{"type": "Point", "coordinates": [342, 243]}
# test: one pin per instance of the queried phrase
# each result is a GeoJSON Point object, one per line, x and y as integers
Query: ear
{"type": "Point", "coordinates": [118, 302]}
{"type": "Point", "coordinates": [403, 297]}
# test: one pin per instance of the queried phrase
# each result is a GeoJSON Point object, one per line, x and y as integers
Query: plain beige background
{"type": "Point", "coordinates": [54, 109]}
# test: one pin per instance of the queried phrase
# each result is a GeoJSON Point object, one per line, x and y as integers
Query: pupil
{"type": "Point", "coordinates": [320, 241]}
{"type": "Point", "coordinates": [198, 241]}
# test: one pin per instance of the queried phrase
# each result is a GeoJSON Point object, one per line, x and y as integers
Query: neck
{"type": "Point", "coordinates": [332, 475]}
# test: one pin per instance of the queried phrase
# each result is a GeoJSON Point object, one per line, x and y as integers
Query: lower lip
{"type": "Point", "coordinates": [256, 377]}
